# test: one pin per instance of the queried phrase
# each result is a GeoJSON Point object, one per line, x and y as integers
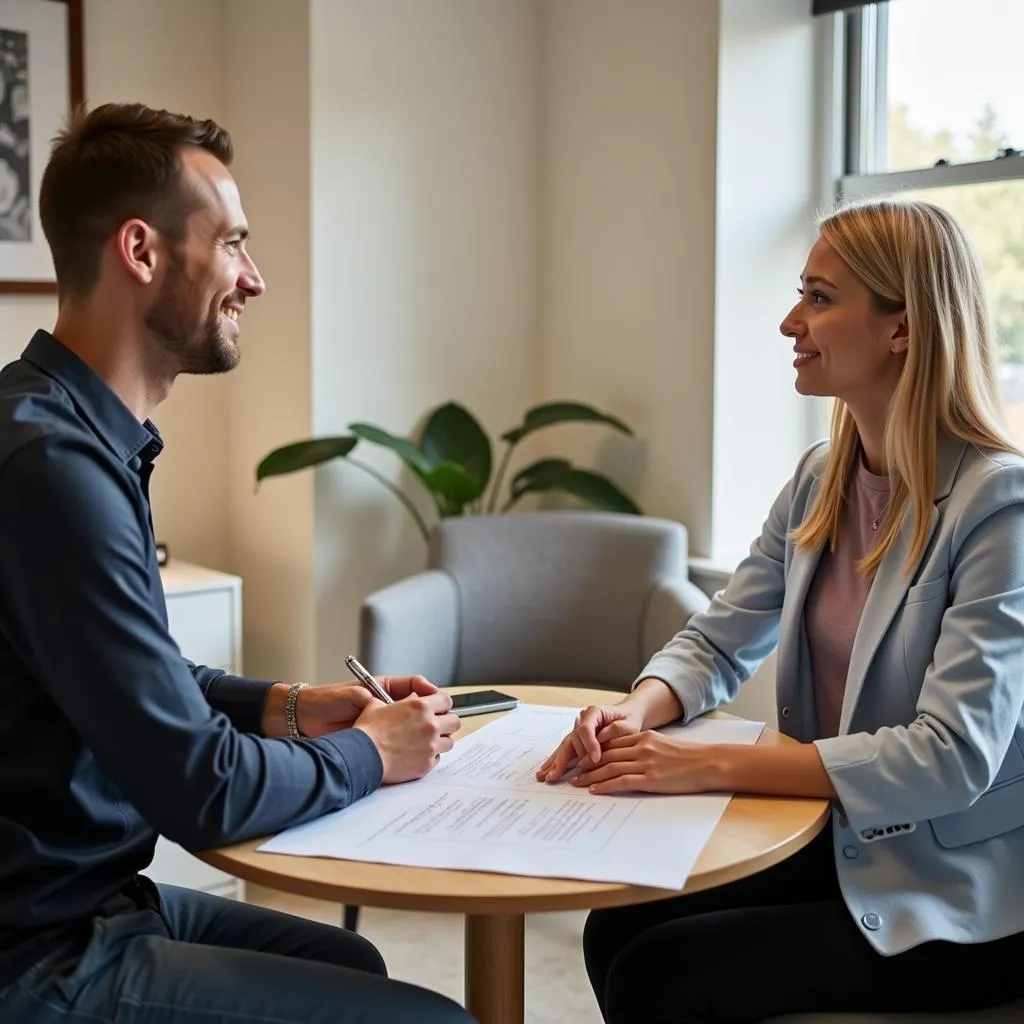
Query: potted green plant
{"type": "Point", "coordinates": [452, 459]}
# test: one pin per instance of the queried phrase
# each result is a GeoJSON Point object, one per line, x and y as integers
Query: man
{"type": "Point", "coordinates": [107, 734]}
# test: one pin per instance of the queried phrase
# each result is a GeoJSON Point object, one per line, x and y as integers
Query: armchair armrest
{"type": "Point", "coordinates": [670, 606]}
{"type": "Point", "coordinates": [412, 627]}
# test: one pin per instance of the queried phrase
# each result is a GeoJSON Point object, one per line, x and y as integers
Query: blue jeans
{"type": "Point", "coordinates": [187, 956]}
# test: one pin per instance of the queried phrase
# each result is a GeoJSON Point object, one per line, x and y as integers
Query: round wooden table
{"type": "Point", "coordinates": [753, 834]}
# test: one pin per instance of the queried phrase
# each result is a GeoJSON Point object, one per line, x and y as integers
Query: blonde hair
{"type": "Point", "coordinates": [915, 256]}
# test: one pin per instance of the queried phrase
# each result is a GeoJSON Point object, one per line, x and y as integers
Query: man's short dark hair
{"type": "Point", "coordinates": [119, 161]}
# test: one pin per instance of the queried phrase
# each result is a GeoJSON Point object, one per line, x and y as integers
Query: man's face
{"type": "Point", "coordinates": [209, 275]}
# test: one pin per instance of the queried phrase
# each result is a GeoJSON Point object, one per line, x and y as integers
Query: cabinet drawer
{"type": "Point", "coordinates": [203, 626]}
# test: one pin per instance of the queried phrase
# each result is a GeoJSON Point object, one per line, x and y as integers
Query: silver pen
{"type": "Point", "coordinates": [367, 680]}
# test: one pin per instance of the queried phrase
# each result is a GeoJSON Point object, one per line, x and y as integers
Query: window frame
{"type": "Point", "coordinates": [864, 39]}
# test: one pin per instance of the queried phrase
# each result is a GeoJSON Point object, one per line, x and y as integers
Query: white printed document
{"type": "Point", "coordinates": [481, 809]}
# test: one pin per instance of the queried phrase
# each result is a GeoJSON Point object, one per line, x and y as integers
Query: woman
{"type": "Point", "coordinates": [890, 572]}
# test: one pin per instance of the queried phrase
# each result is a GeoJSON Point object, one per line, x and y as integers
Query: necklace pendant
{"type": "Point", "coordinates": [874, 524]}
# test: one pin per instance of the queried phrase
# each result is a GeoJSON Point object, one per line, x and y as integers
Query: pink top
{"type": "Point", "coordinates": [837, 595]}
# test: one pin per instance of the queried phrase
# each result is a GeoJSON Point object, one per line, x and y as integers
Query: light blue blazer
{"type": "Point", "coordinates": [929, 761]}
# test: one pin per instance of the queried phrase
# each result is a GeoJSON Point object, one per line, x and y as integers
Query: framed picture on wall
{"type": "Point", "coordinates": [41, 81]}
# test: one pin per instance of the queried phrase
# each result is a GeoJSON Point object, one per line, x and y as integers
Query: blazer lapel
{"type": "Point", "coordinates": [891, 583]}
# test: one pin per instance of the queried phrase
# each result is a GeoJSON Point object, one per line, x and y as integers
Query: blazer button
{"type": "Point", "coordinates": [786, 711]}
{"type": "Point", "coordinates": [851, 852]}
{"type": "Point", "coordinates": [872, 922]}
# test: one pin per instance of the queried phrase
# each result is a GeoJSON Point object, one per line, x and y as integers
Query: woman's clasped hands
{"type": "Point", "coordinates": [614, 753]}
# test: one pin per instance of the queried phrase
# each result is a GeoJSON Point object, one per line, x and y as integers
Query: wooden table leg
{"type": "Point", "coordinates": [494, 967]}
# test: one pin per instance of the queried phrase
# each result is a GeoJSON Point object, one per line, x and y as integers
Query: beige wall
{"type": "Point", "coordinates": [166, 54]}
{"type": "Point", "coordinates": [498, 202]}
{"type": "Point", "coordinates": [270, 540]}
{"type": "Point", "coordinates": [424, 255]}
{"type": "Point", "coordinates": [628, 240]}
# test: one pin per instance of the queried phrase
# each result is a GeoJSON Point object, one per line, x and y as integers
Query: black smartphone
{"type": "Point", "coordinates": [482, 703]}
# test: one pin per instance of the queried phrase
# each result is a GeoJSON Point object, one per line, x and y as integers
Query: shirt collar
{"type": "Point", "coordinates": [108, 416]}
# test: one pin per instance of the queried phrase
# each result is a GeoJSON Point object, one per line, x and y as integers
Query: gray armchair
{"type": "Point", "coordinates": [579, 598]}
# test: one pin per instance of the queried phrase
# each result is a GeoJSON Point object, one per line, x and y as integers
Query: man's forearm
{"type": "Point", "coordinates": [273, 722]}
{"type": "Point", "coordinates": [241, 698]}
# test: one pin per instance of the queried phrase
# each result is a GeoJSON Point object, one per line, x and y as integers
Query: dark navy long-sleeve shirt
{"type": "Point", "coordinates": [108, 735]}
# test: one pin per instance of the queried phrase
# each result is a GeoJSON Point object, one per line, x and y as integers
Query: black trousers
{"type": "Point", "coordinates": [781, 941]}
{"type": "Point", "coordinates": [186, 957]}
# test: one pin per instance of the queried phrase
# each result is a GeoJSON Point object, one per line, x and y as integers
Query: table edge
{"type": "Point", "coordinates": [615, 895]}
{"type": "Point", "coordinates": [271, 873]}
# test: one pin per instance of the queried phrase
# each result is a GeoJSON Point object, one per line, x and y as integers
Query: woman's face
{"type": "Point", "coordinates": [845, 348]}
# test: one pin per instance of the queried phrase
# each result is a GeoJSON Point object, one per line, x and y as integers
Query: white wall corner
{"type": "Point", "coordinates": [768, 191]}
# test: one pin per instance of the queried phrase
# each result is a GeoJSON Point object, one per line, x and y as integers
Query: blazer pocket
{"type": "Point", "coordinates": [927, 591]}
{"type": "Point", "coordinates": [999, 811]}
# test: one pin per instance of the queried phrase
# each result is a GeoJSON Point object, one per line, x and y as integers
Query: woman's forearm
{"type": "Point", "coordinates": [791, 770]}
{"type": "Point", "coordinates": [655, 702]}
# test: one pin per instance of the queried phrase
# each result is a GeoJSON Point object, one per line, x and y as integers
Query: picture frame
{"type": "Point", "coordinates": [41, 82]}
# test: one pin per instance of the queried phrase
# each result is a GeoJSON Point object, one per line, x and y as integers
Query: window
{"type": "Point", "coordinates": [934, 110]}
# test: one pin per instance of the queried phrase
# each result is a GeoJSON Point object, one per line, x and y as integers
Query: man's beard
{"type": "Point", "coordinates": [198, 346]}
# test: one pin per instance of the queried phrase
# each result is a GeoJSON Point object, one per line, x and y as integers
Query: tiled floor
{"type": "Point", "coordinates": [426, 949]}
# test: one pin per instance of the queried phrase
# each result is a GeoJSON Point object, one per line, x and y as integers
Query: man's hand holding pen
{"type": "Point", "coordinates": [410, 725]}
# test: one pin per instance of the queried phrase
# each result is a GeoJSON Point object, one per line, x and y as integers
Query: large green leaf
{"type": "Point", "coordinates": [561, 475]}
{"type": "Point", "coordinates": [456, 486]}
{"type": "Point", "coordinates": [406, 450]}
{"type": "Point", "coordinates": [303, 454]}
{"type": "Point", "coordinates": [451, 482]}
{"type": "Point", "coordinates": [538, 476]}
{"type": "Point", "coordinates": [562, 412]}
{"type": "Point", "coordinates": [452, 434]}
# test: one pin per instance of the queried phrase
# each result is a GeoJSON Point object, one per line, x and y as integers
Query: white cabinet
{"type": "Point", "coordinates": [204, 612]}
